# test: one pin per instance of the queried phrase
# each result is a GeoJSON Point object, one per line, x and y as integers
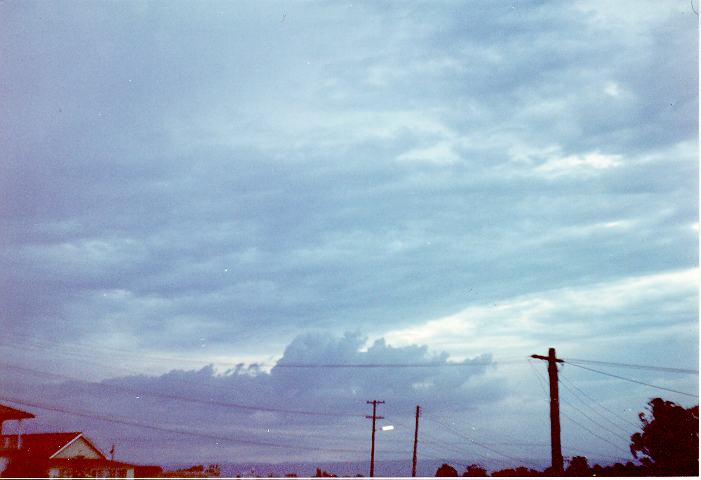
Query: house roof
{"type": "Point", "coordinates": [89, 462]}
{"type": "Point", "coordinates": [44, 445]}
{"type": "Point", "coordinates": [9, 413]}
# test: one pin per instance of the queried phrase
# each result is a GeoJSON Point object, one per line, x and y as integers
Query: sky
{"type": "Point", "coordinates": [193, 195]}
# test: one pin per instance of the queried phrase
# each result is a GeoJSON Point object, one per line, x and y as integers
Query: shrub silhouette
{"type": "Point", "coordinates": [446, 470]}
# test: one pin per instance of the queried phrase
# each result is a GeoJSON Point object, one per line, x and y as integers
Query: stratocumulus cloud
{"type": "Point", "coordinates": [208, 184]}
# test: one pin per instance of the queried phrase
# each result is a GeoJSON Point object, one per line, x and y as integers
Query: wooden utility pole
{"type": "Point", "coordinates": [416, 441]}
{"type": "Point", "coordinates": [555, 445]}
{"type": "Point", "coordinates": [374, 417]}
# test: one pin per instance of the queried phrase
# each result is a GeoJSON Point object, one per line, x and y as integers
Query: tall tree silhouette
{"type": "Point", "coordinates": [669, 441]}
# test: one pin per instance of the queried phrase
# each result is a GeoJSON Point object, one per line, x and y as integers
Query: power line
{"type": "Point", "coordinates": [431, 445]}
{"type": "Point", "coordinates": [443, 444]}
{"type": "Point", "coordinates": [170, 358]}
{"type": "Point", "coordinates": [354, 439]}
{"type": "Point", "coordinates": [127, 371]}
{"type": "Point", "coordinates": [183, 398]}
{"type": "Point", "coordinates": [82, 357]}
{"type": "Point", "coordinates": [486, 447]}
{"type": "Point", "coordinates": [270, 365]}
{"type": "Point", "coordinates": [633, 381]}
{"type": "Point", "coordinates": [441, 459]}
{"type": "Point", "coordinates": [133, 423]}
{"type": "Point", "coordinates": [176, 397]}
{"type": "Point", "coordinates": [478, 458]}
{"type": "Point", "coordinates": [510, 444]}
{"type": "Point", "coordinates": [384, 365]}
{"type": "Point", "coordinates": [518, 444]}
{"type": "Point", "coordinates": [615, 434]}
{"type": "Point", "coordinates": [601, 405]}
{"type": "Point", "coordinates": [578, 451]}
{"type": "Point", "coordinates": [167, 379]}
{"type": "Point", "coordinates": [433, 457]}
{"type": "Point", "coordinates": [575, 395]}
{"type": "Point", "coordinates": [503, 437]}
{"type": "Point", "coordinates": [541, 379]}
{"type": "Point", "coordinates": [91, 348]}
{"type": "Point", "coordinates": [632, 365]}
{"type": "Point", "coordinates": [445, 459]}
{"type": "Point", "coordinates": [590, 431]}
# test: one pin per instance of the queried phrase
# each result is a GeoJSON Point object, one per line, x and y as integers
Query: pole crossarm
{"type": "Point", "coordinates": [541, 357]}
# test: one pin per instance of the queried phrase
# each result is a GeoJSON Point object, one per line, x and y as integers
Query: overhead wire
{"type": "Point", "coordinates": [486, 447]}
{"type": "Point", "coordinates": [169, 396]}
{"type": "Point", "coordinates": [633, 365]}
{"type": "Point", "coordinates": [355, 439]}
{"type": "Point", "coordinates": [202, 361]}
{"type": "Point", "coordinates": [74, 346]}
{"type": "Point", "coordinates": [591, 432]}
{"type": "Point", "coordinates": [574, 362]}
{"type": "Point", "coordinates": [499, 437]}
{"type": "Point", "coordinates": [574, 394]}
{"type": "Point", "coordinates": [82, 357]}
{"type": "Point", "coordinates": [565, 380]}
{"type": "Point", "coordinates": [390, 365]}
{"type": "Point", "coordinates": [616, 376]}
{"type": "Point", "coordinates": [424, 455]}
{"type": "Point", "coordinates": [452, 460]}
{"type": "Point", "coordinates": [170, 380]}
{"type": "Point", "coordinates": [633, 380]}
{"type": "Point", "coordinates": [479, 458]}
{"type": "Point", "coordinates": [423, 444]}
{"type": "Point", "coordinates": [184, 398]}
{"type": "Point", "coordinates": [459, 456]}
{"type": "Point", "coordinates": [138, 424]}
{"type": "Point", "coordinates": [573, 452]}
{"type": "Point", "coordinates": [442, 443]}
{"type": "Point", "coordinates": [541, 381]}
{"type": "Point", "coordinates": [602, 427]}
{"type": "Point", "coordinates": [180, 397]}
{"type": "Point", "coordinates": [512, 441]}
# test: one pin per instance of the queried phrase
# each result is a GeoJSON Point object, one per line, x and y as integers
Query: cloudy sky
{"type": "Point", "coordinates": [194, 194]}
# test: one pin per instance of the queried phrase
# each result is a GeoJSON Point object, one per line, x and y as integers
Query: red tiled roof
{"type": "Point", "coordinates": [43, 445]}
{"type": "Point", "coordinates": [9, 413]}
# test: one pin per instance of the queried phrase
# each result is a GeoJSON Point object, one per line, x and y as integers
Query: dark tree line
{"type": "Point", "coordinates": [667, 445]}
